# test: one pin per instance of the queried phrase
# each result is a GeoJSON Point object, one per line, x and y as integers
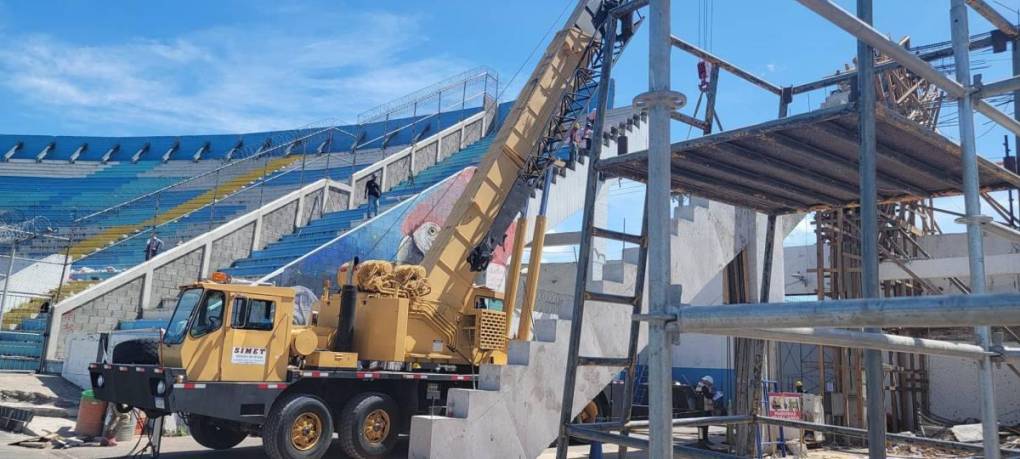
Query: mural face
{"type": "Point", "coordinates": [402, 234]}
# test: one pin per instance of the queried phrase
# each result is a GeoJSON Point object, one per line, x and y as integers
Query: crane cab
{"type": "Point", "coordinates": [230, 332]}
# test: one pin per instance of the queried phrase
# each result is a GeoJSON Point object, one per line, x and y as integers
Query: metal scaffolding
{"type": "Point", "coordinates": [769, 170]}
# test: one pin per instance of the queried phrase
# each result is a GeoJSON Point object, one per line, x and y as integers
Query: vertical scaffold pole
{"type": "Point", "coordinates": [660, 102]}
{"type": "Point", "coordinates": [874, 374]}
{"type": "Point", "coordinates": [972, 202]}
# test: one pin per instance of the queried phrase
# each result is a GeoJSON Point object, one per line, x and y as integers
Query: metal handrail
{"type": "Point", "coordinates": [375, 113]}
{"type": "Point", "coordinates": [251, 157]}
{"type": "Point", "coordinates": [261, 182]}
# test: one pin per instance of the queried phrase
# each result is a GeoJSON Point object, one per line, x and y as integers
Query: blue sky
{"type": "Point", "coordinates": [161, 67]}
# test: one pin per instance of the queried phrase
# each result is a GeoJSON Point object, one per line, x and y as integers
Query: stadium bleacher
{"type": "Point", "coordinates": [331, 225]}
{"type": "Point", "coordinates": [133, 184]}
{"type": "Point", "coordinates": [38, 178]}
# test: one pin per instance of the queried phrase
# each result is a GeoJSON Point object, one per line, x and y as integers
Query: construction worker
{"type": "Point", "coordinates": [372, 193]}
{"type": "Point", "coordinates": [153, 246]}
{"type": "Point", "coordinates": [798, 387]}
{"type": "Point", "coordinates": [713, 404]}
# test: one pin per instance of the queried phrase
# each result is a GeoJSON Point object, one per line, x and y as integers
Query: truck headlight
{"type": "Point", "coordinates": [160, 387]}
{"type": "Point", "coordinates": [100, 380]}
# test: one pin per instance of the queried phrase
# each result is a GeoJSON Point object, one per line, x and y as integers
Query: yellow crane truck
{"type": "Point", "coordinates": [240, 360]}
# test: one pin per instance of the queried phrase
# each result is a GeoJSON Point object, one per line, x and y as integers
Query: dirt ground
{"type": "Point", "coordinates": [53, 396]}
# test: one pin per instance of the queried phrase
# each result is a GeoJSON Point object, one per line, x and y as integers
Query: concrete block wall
{"type": "Point", "coordinates": [100, 314]}
{"type": "Point", "coordinates": [397, 172]}
{"type": "Point", "coordinates": [450, 144]}
{"type": "Point", "coordinates": [311, 208]}
{"type": "Point", "coordinates": [163, 282]}
{"type": "Point", "coordinates": [121, 297]}
{"type": "Point", "coordinates": [277, 223]}
{"type": "Point", "coordinates": [425, 156]}
{"type": "Point", "coordinates": [234, 246]}
{"type": "Point", "coordinates": [336, 200]}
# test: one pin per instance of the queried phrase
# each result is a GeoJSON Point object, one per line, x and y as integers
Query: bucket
{"type": "Point", "coordinates": [91, 412]}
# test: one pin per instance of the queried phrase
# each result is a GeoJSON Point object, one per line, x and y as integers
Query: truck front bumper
{"type": "Point", "coordinates": [147, 387]}
{"type": "Point", "coordinates": [139, 386]}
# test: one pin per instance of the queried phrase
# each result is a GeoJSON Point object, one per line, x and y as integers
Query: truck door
{"type": "Point", "coordinates": [256, 344]}
{"type": "Point", "coordinates": [201, 347]}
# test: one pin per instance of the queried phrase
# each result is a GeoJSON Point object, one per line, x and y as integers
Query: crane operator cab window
{"type": "Point", "coordinates": [178, 325]}
{"type": "Point", "coordinates": [209, 316]}
{"type": "Point", "coordinates": [492, 304]}
{"type": "Point", "coordinates": [253, 314]}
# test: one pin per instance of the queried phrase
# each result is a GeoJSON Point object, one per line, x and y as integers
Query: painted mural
{"type": "Point", "coordinates": [402, 234]}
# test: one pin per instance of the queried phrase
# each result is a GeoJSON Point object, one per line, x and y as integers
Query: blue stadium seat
{"type": "Point", "coordinates": [332, 225]}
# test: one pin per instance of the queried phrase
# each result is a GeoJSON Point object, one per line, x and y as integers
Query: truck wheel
{"type": "Point", "coordinates": [213, 433]}
{"type": "Point", "coordinates": [368, 425]}
{"type": "Point", "coordinates": [143, 351]}
{"type": "Point", "coordinates": [299, 426]}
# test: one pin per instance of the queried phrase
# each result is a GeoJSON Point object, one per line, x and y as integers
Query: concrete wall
{"type": "Point", "coordinates": [948, 258]}
{"type": "Point", "coordinates": [311, 208]}
{"type": "Point", "coordinates": [449, 145]}
{"type": "Point", "coordinates": [100, 314]}
{"type": "Point", "coordinates": [121, 297]}
{"type": "Point", "coordinates": [954, 394]}
{"type": "Point", "coordinates": [166, 278]}
{"type": "Point", "coordinates": [425, 156]}
{"type": "Point", "coordinates": [277, 223]}
{"type": "Point", "coordinates": [234, 246]}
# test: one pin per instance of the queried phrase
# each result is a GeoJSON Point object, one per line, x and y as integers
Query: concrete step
{"type": "Point", "coordinates": [515, 411]}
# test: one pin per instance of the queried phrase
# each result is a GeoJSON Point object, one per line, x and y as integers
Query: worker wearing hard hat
{"type": "Point", "coordinates": [713, 404]}
{"type": "Point", "coordinates": [798, 387]}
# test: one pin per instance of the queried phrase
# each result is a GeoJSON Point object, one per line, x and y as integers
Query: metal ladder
{"type": "Point", "coordinates": [582, 295]}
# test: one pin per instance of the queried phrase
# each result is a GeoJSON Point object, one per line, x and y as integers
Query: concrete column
{"type": "Point", "coordinates": [206, 260]}
{"type": "Point", "coordinates": [146, 288]}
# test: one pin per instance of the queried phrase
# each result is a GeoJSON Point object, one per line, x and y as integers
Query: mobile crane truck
{"type": "Point", "coordinates": [238, 360]}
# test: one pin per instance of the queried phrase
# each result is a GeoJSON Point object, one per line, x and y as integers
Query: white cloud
{"type": "Point", "coordinates": [225, 79]}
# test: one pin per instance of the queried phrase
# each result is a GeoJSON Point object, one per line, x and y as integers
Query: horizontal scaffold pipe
{"type": "Point", "coordinates": [862, 340]}
{"type": "Point", "coordinates": [856, 432]}
{"type": "Point", "coordinates": [907, 59]}
{"type": "Point", "coordinates": [917, 311]}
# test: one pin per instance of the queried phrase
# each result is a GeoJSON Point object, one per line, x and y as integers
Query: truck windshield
{"type": "Point", "coordinates": [178, 325]}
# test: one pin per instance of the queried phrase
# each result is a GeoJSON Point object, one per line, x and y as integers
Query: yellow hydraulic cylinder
{"type": "Point", "coordinates": [534, 272]}
{"type": "Point", "coordinates": [513, 278]}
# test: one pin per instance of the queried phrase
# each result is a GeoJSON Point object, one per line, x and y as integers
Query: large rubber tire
{"type": "Point", "coordinates": [352, 421]}
{"type": "Point", "coordinates": [214, 433]}
{"type": "Point", "coordinates": [277, 432]}
{"type": "Point", "coordinates": [143, 351]}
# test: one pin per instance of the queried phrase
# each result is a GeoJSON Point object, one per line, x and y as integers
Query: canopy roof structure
{"type": "Point", "coordinates": [810, 162]}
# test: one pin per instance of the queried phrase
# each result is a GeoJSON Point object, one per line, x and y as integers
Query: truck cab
{"type": "Point", "coordinates": [241, 360]}
{"type": "Point", "coordinates": [230, 332]}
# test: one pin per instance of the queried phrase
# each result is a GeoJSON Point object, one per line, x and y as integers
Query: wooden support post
{"type": "Point", "coordinates": [514, 271]}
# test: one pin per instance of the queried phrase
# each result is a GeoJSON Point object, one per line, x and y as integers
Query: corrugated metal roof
{"type": "Point", "coordinates": [809, 162]}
